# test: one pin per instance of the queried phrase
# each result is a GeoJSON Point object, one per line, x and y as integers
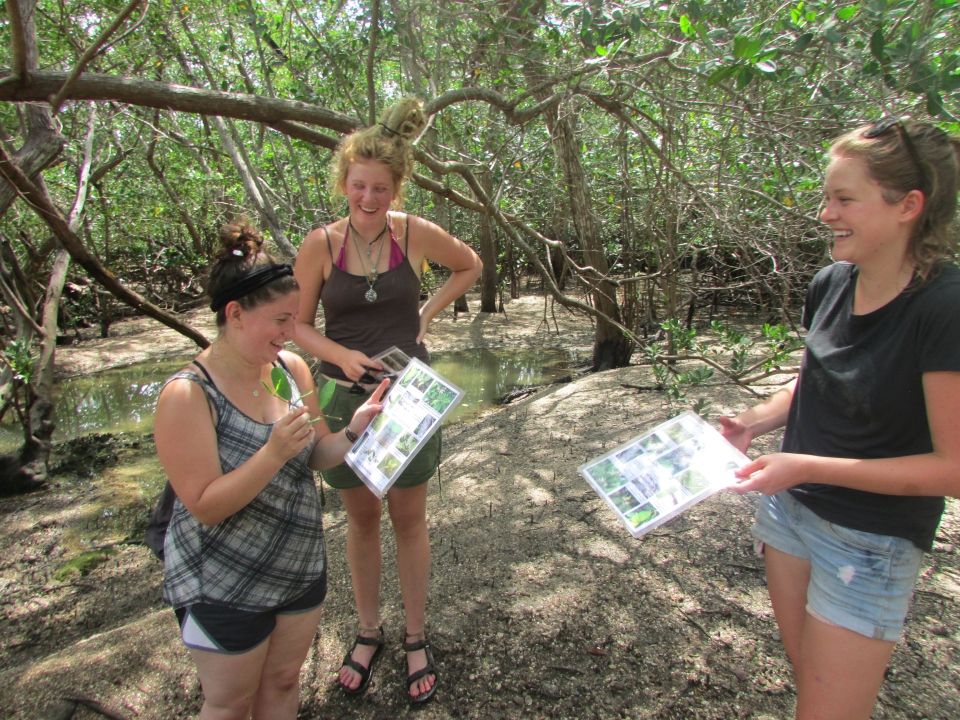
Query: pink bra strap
{"type": "Point", "coordinates": [396, 254]}
{"type": "Point", "coordinates": [341, 262]}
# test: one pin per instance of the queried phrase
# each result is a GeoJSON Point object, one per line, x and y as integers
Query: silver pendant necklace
{"type": "Point", "coordinates": [373, 273]}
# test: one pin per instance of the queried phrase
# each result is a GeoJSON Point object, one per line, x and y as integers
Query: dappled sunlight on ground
{"type": "Point", "coordinates": [541, 603]}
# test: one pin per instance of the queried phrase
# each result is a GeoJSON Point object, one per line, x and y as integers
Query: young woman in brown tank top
{"type": "Point", "coordinates": [365, 270]}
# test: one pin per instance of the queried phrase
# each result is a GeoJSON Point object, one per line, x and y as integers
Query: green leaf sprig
{"type": "Point", "coordinates": [280, 387]}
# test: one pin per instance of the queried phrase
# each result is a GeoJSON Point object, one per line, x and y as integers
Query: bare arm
{"type": "Point", "coordinates": [430, 241]}
{"type": "Point", "coordinates": [760, 419]}
{"type": "Point", "coordinates": [933, 474]}
{"type": "Point", "coordinates": [187, 448]}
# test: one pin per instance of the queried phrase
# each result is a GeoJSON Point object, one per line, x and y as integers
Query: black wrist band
{"type": "Point", "coordinates": [350, 434]}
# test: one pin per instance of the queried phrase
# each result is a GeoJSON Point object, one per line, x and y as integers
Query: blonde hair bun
{"type": "Point", "coordinates": [404, 119]}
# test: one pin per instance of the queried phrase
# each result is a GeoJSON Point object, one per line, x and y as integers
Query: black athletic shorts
{"type": "Point", "coordinates": [222, 629]}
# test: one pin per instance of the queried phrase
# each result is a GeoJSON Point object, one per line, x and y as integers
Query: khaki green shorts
{"type": "Point", "coordinates": [340, 411]}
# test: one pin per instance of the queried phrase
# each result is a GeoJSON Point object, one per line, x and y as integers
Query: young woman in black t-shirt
{"type": "Point", "coordinates": [872, 443]}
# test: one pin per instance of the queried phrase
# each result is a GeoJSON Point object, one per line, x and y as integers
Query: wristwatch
{"type": "Point", "coordinates": [350, 434]}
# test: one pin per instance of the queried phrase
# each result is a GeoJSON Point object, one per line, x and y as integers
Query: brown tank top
{"type": "Point", "coordinates": [372, 327]}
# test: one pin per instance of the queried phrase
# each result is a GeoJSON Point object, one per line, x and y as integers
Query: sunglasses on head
{"type": "Point", "coordinates": [882, 125]}
{"type": "Point", "coordinates": [368, 379]}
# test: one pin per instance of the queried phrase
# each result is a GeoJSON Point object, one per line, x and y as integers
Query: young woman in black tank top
{"type": "Point", "coordinates": [369, 306]}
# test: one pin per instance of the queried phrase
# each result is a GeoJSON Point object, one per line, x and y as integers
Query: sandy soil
{"type": "Point", "coordinates": [541, 604]}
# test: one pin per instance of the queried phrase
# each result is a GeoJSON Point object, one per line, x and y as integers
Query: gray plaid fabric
{"type": "Point", "coordinates": [265, 555]}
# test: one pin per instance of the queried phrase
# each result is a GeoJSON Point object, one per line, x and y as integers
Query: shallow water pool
{"type": "Point", "coordinates": [123, 399]}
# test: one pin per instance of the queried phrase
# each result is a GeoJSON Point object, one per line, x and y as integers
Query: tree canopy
{"type": "Point", "coordinates": [646, 160]}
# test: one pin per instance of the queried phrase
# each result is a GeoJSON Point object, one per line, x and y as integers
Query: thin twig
{"type": "Point", "coordinates": [57, 100]}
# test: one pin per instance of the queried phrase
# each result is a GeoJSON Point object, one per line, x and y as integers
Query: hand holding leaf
{"type": "Point", "coordinates": [280, 387]}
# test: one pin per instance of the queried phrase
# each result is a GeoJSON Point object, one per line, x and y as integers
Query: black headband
{"type": "Point", "coordinates": [247, 283]}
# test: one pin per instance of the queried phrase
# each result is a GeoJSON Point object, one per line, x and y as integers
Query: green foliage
{"type": "Point", "coordinates": [679, 337]}
{"type": "Point", "coordinates": [18, 356]}
{"type": "Point", "coordinates": [683, 360]}
{"type": "Point", "coordinates": [737, 344]}
{"type": "Point", "coordinates": [890, 40]}
{"type": "Point", "coordinates": [326, 393]}
{"type": "Point", "coordinates": [780, 344]}
{"type": "Point", "coordinates": [280, 387]}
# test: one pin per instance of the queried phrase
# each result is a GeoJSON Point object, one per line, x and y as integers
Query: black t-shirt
{"type": "Point", "coordinates": [860, 393]}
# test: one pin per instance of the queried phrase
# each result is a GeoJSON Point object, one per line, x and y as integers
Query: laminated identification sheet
{"type": "Point", "coordinates": [417, 401]}
{"type": "Point", "coordinates": [658, 475]}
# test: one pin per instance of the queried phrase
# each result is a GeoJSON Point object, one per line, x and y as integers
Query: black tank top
{"type": "Point", "coordinates": [372, 327]}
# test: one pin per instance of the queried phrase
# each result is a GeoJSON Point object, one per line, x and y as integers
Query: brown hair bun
{"type": "Point", "coordinates": [240, 239]}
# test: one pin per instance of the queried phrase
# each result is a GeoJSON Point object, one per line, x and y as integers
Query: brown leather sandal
{"type": "Point", "coordinates": [365, 673]}
{"type": "Point", "coordinates": [430, 669]}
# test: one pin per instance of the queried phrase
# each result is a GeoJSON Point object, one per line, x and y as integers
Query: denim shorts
{"type": "Point", "coordinates": [228, 631]}
{"type": "Point", "coordinates": [859, 580]}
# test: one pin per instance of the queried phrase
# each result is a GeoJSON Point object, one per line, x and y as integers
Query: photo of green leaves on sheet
{"type": "Point", "coordinates": [656, 476]}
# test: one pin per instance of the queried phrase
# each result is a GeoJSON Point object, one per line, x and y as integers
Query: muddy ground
{"type": "Point", "coordinates": [541, 604]}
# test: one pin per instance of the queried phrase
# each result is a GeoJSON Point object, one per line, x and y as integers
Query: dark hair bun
{"type": "Point", "coordinates": [240, 239]}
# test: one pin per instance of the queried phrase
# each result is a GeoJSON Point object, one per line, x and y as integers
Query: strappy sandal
{"type": "Point", "coordinates": [430, 669]}
{"type": "Point", "coordinates": [365, 673]}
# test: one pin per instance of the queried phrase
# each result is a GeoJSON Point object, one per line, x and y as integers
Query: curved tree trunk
{"type": "Point", "coordinates": [611, 347]}
{"type": "Point", "coordinates": [27, 469]}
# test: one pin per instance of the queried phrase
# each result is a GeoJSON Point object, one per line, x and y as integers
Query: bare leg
{"type": "Point", "coordinates": [279, 694]}
{"type": "Point", "coordinates": [787, 579]}
{"type": "Point", "coordinates": [408, 513]}
{"type": "Point", "coordinates": [839, 672]}
{"type": "Point", "coordinates": [229, 682]}
{"type": "Point", "coordinates": [363, 555]}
